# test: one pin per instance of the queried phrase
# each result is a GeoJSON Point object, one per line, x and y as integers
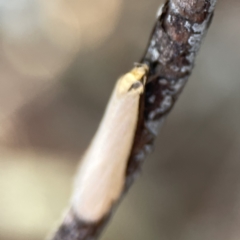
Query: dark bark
{"type": "Point", "coordinates": [170, 54]}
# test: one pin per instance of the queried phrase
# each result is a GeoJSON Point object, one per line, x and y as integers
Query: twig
{"type": "Point", "coordinates": [173, 45]}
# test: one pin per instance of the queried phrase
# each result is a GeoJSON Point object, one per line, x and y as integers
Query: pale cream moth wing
{"type": "Point", "coordinates": [101, 175]}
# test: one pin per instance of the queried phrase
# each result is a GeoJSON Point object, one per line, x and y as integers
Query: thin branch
{"type": "Point", "coordinates": [170, 55]}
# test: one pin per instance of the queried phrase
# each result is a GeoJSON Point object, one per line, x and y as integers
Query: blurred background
{"type": "Point", "coordinates": [58, 64]}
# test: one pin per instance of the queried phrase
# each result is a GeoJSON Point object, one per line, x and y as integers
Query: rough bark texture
{"type": "Point", "coordinates": [173, 45]}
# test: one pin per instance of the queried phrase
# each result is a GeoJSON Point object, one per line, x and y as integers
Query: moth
{"type": "Point", "coordinates": [101, 175]}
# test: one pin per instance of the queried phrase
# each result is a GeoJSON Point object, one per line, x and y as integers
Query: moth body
{"type": "Point", "coordinates": [102, 169]}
